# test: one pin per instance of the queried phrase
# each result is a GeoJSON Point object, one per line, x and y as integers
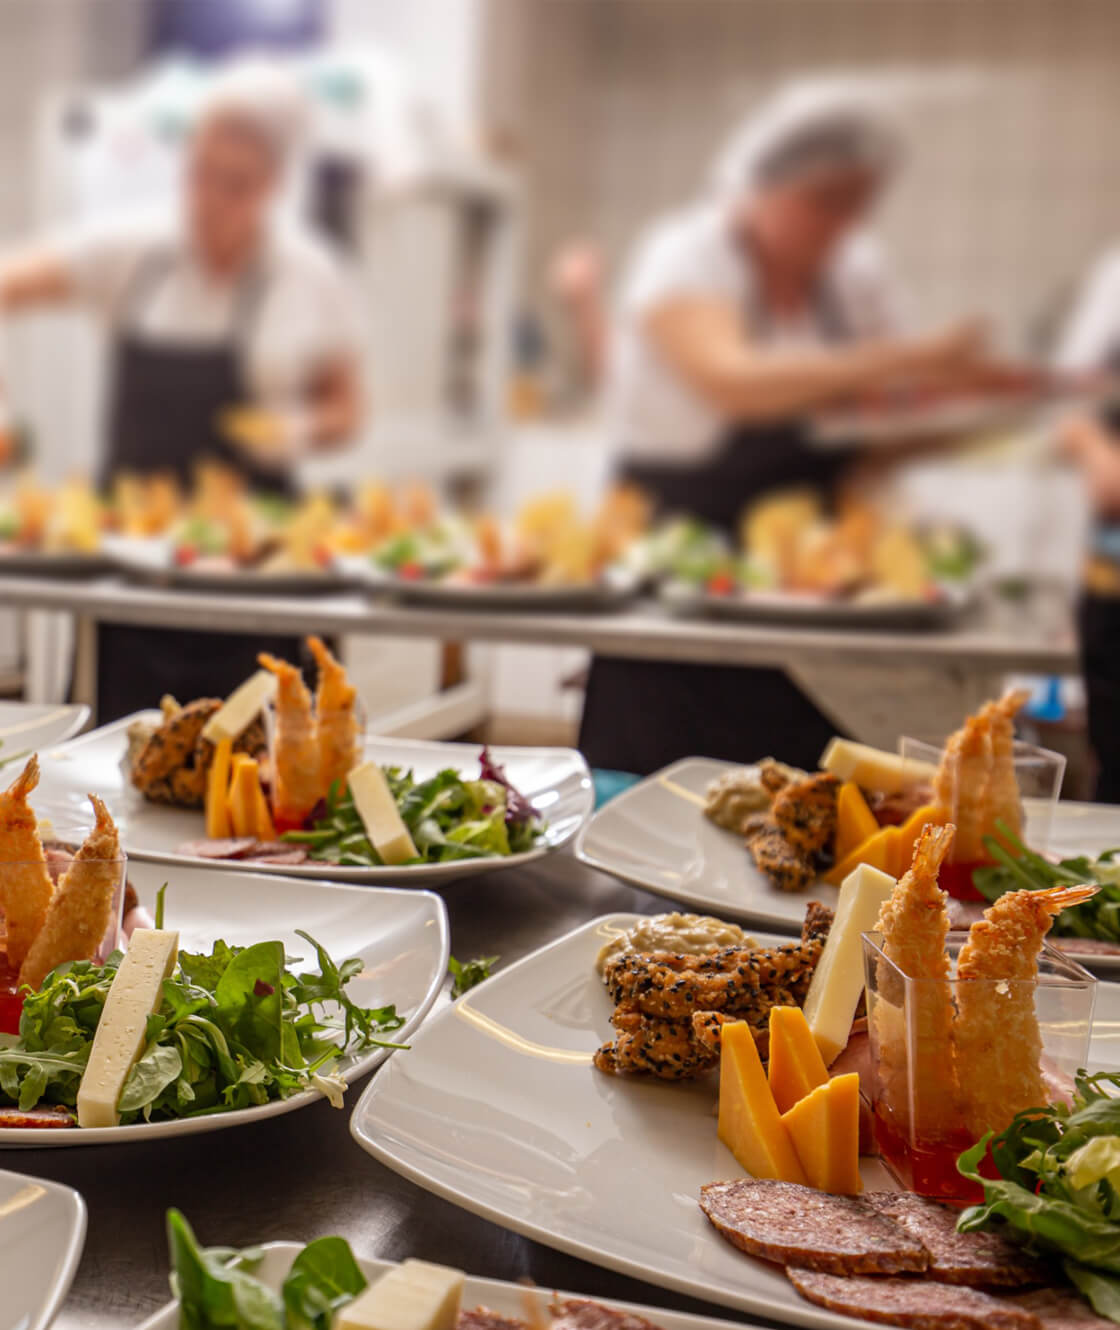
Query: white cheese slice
{"type": "Point", "coordinates": [241, 708]}
{"type": "Point", "coordinates": [414, 1296]}
{"type": "Point", "coordinates": [830, 1005]}
{"type": "Point", "coordinates": [122, 1030]}
{"type": "Point", "coordinates": [378, 810]}
{"type": "Point", "coordinates": [874, 769]}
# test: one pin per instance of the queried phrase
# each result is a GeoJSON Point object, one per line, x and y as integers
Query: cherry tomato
{"type": "Point", "coordinates": [186, 555]}
{"type": "Point", "coordinates": [721, 584]}
{"type": "Point", "coordinates": [410, 572]}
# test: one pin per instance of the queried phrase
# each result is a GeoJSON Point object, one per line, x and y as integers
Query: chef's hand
{"type": "Point", "coordinates": [271, 438]}
{"type": "Point", "coordinates": [957, 350]}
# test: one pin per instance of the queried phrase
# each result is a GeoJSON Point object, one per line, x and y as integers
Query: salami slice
{"type": "Point", "coordinates": [794, 1225]}
{"type": "Point", "coordinates": [958, 1258]}
{"type": "Point", "coordinates": [482, 1318]}
{"type": "Point", "coordinates": [919, 1304]}
{"type": "Point", "coordinates": [1062, 1309]}
{"type": "Point", "coordinates": [49, 1119]}
{"type": "Point", "coordinates": [582, 1314]}
{"type": "Point", "coordinates": [231, 848]}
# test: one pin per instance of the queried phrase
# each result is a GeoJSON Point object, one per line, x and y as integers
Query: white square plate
{"type": "Point", "coordinates": [42, 1231]}
{"type": "Point", "coordinates": [498, 1109]}
{"type": "Point", "coordinates": [513, 1300]}
{"type": "Point", "coordinates": [655, 835]}
{"type": "Point", "coordinates": [401, 936]}
{"type": "Point", "coordinates": [556, 780]}
{"type": "Point", "coordinates": [28, 727]}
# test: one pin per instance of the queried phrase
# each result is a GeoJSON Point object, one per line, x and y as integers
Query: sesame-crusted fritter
{"type": "Point", "coordinates": [173, 744]}
{"type": "Point", "coordinates": [781, 862]}
{"type": "Point", "coordinates": [663, 1048]}
{"type": "Point", "coordinates": [805, 810]}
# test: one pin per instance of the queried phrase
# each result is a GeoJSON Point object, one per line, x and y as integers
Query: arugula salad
{"type": "Point", "coordinates": [1017, 867]}
{"type": "Point", "coordinates": [1058, 1186]}
{"type": "Point", "coordinates": [237, 1027]}
{"type": "Point", "coordinates": [448, 816]}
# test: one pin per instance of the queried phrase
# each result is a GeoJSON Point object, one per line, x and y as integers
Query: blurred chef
{"type": "Point", "coordinates": [738, 317]}
{"type": "Point", "coordinates": [1091, 345]}
{"type": "Point", "coordinates": [233, 337]}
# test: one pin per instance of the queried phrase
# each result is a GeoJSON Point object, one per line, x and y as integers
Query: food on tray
{"type": "Point", "coordinates": [955, 1056]}
{"type": "Point", "coordinates": [836, 990]}
{"type": "Point", "coordinates": [790, 544]}
{"type": "Point", "coordinates": [548, 542]}
{"type": "Point", "coordinates": [789, 843]}
{"type": "Point", "coordinates": [683, 934]}
{"type": "Point", "coordinates": [48, 922]}
{"type": "Point", "coordinates": [38, 520]}
{"type": "Point", "coordinates": [669, 1007]}
{"type": "Point", "coordinates": [227, 1029]}
{"type": "Point", "coordinates": [739, 793]}
{"type": "Point", "coordinates": [890, 1257]}
{"type": "Point", "coordinates": [1049, 1181]}
{"type": "Point", "coordinates": [144, 505]}
{"type": "Point", "coordinates": [750, 1123]}
{"type": "Point", "coordinates": [325, 1289]}
{"type": "Point", "coordinates": [307, 794]}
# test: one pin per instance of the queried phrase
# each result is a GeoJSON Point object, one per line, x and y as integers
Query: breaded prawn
{"type": "Point", "coordinates": [81, 908]}
{"type": "Point", "coordinates": [340, 744]}
{"type": "Point", "coordinates": [961, 787]}
{"type": "Point", "coordinates": [1005, 803]}
{"type": "Point", "coordinates": [296, 757]}
{"type": "Point", "coordinates": [914, 923]}
{"type": "Point", "coordinates": [25, 885]}
{"type": "Point", "coordinates": [996, 1035]}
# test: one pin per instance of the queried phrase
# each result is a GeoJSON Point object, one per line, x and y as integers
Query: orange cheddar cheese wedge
{"type": "Point", "coordinates": [824, 1129]}
{"type": "Point", "coordinates": [796, 1065]}
{"type": "Point", "coordinates": [244, 785]}
{"type": "Point", "coordinates": [749, 1122]}
{"type": "Point", "coordinates": [855, 822]}
{"type": "Point", "coordinates": [879, 851]}
{"type": "Point", "coordinates": [218, 825]}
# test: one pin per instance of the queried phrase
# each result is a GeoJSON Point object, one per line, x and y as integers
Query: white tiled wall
{"type": "Point", "coordinates": [1015, 181]}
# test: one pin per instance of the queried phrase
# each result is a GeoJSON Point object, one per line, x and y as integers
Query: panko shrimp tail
{"type": "Point", "coordinates": [296, 749]}
{"type": "Point", "coordinates": [996, 1033]}
{"type": "Point", "coordinates": [25, 885]}
{"type": "Point", "coordinates": [913, 1033]}
{"type": "Point", "coordinates": [340, 742]}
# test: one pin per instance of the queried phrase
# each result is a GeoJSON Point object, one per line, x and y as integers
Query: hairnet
{"type": "Point", "coordinates": [264, 100]}
{"type": "Point", "coordinates": [809, 128]}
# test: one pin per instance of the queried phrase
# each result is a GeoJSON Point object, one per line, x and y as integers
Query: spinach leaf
{"type": "Point", "coordinates": [250, 1000]}
{"type": "Point", "coordinates": [324, 1277]}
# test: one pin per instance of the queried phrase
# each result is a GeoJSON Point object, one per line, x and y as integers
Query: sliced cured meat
{"type": "Point", "coordinates": [919, 1304]}
{"type": "Point", "coordinates": [43, 1118]}
{"type": "Point", "coordinates": [277, 852]}
{"type": "Point", "coordinates": [581, 1314]}
{"type": "Point", "coordinates": [957, 1258]}
{"type": "Point", "coordinates": [794, 1225]}
{"type": "Point", "coordinates": [230, 848]}
{"type": "Point", "coordinates": [482, 1318]}
{"type": "Point", "coordinates": [1061, 1309]}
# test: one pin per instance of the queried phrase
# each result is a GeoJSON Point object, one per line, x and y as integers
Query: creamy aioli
{"type": "Point", "coordinates": [686, 934]}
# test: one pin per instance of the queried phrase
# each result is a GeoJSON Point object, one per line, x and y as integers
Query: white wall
{"type": "Point", "coordinates": [1014, 186]}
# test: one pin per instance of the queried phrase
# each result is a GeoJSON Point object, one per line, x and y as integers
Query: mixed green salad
{"type": "Point", "coordinates": [1019, 868]}
{"type": "Point", "coordinates": [1058, 1186]}
{"type": "Point", "coordinates": [422, 555]}
{"type": "Point", "coordinates": [448, 816]}
{"type": "Point", "coordinates": [217, 1289]}
{"type": "Point", "coordinates": [237, 1027]}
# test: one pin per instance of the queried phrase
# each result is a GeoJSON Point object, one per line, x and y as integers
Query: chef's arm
{"type": "Point", "coordinates": [1093, 447]}
{"type": "Point", "coordinates": [329, 414]}
{"type": "Point", "coordinates": [336, 404]}
{"type": "Point", "coordinates": [705, 343]}
{"type": "Point", "coordinates": [33, 278]}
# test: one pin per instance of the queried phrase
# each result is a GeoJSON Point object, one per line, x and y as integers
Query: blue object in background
{"type": "Point", "coordinates": [608, 784]}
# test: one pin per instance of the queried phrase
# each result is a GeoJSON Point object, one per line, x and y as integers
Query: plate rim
{"type": "Point", "coordinates": [16, 1138]}
{"type": "Point", "coordinates": [381, 874]}
{"type": "Point", "coordinates": [70, 1256]}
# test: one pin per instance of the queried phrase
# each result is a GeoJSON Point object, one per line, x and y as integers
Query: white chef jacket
{"type": "Point", "coordinates": [657, 416]}
{"type": "Point", "coordinates": [1092, 337]}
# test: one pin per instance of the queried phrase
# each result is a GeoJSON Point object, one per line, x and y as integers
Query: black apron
{"type": "Point", "coordinates": [165, 398]}
{"type": "Point", "coordinates": [642, 715]}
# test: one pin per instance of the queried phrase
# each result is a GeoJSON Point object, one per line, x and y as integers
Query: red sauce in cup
{"type": "Point", "coordinates": [11, 1001]}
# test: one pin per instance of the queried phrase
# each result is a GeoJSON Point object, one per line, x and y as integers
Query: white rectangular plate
{"type": "Point", "coordinates": [29, 727]}
{"type": "Point", "coordinates": [788, 607]}
{"type": "Point", "coordinates": [556, 780]}
{"type": "Point", "coordinates": [498, 1109]}
{"type": "Point", "coordinates": [42, 1231]}
{"type": "Point", "coordinates": [152, 560]}
{"type": "Point", "coordinates": [655, 835]}
{"type": "Point", "coordinates": [401, 936]}
{"type": "Point", "coordinates": [514, 1300]}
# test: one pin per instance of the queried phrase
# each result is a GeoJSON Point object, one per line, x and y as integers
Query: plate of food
{"type": "Point", "coordinates": [548, 557]}
{"type": "Point", "coordinates": [222, 536]}
{"type": "Point", "coordinates": [607, 1096]}
{"type": "Point", "coordinates": [51, 532]}
{"type": "Point", "coordinates": [290, 1277]}
{"type": "Point", "coordinates": [42, 1232]}
{"type": "Point", "coordinates": [117, 1030]}
{"type": "Point", "coordinates": [288, 782]}
{"type": "Point", "coordinates": [753, 842]}
{"type": "Point", "coordinates": [27, 727]}
{"type": "Point", "coordinates": [798, 563]}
